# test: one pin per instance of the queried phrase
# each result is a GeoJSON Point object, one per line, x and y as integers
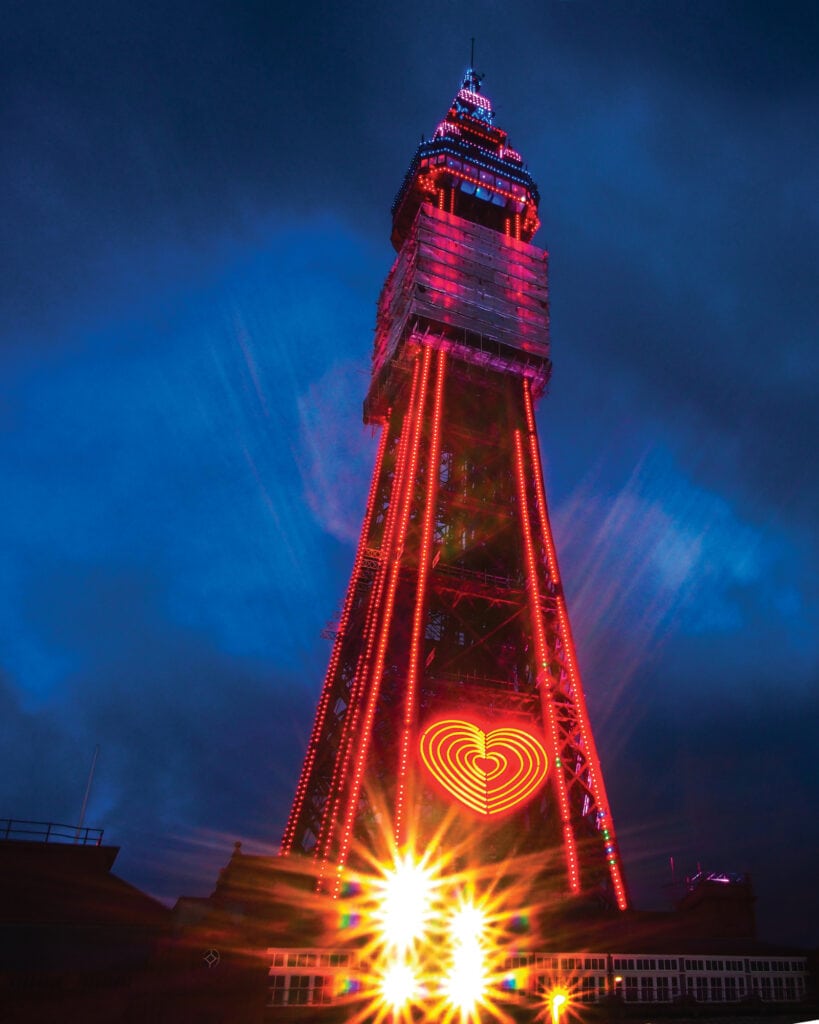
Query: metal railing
{"type": "Point", "coordinates": [49, 832]}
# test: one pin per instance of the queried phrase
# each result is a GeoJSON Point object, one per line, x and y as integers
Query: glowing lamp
{"type": "Point", "coordinates": [398, 985]}
{"type": "Point", "coordinates": [557, 1001]}
{"type": "Point", "coordinates": [404, 904]}
{"type": "Point", "coordinates": [465, 983]}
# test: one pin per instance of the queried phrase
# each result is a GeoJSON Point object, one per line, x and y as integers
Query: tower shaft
{"type": "Point", "coordinates": [453, 702]}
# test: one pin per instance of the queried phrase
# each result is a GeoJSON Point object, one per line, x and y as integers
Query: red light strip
{"type": "Point", "coordinates": [424, 558]}
{"type": "Point", "coordinates": [532, 220]}
{"type": "Point", "coordinates": [472, 129]}
{"type": "Point", "coordinates": [541, 652]}
{"type": "Point", "coordinates": [475, 97]}
{"type": "Point", "coordinates": [595, 773]}
{"type": "Point", "coordinates": [489, 772]}
{"type": "Point", "coordinates": [344, 757]}
{"type": "Point", "coordinates": [386, 621]}
{"type": "Point", "coordinates": [324, 701]}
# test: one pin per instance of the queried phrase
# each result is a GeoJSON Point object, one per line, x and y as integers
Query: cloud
{"type": "Point", "coordinates": [197, 230]}
{"type": "Point", "coordinates": [189, 736]}
{"type": "Point", "coordinates": [338, 452]}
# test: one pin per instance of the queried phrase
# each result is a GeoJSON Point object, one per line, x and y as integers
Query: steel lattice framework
{"type": "Point", "coordinates": [454, 628]}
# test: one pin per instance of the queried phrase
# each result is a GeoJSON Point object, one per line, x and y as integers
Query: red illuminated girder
{"type": "Point", "coordinates": [573, 701]}
{"type": "Point", "coordinates": [327, 691]}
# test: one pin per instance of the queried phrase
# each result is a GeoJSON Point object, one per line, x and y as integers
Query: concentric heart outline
{"type": "Point", "coordinates": [451, 748]}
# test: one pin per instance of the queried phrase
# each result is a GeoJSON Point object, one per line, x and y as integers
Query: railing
{"type": "Point", "coordinates": [49, 832]}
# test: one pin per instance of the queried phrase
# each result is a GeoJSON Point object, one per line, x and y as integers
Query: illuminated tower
{"type": "Point", "coordinates": [453, 692]}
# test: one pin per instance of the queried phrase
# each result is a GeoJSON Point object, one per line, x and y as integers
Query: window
{"type": "Point", "coordinates": [647, 990]}
{"type": "Point", "coordinates": [276, 997]}
{"type": "Point", "coordinates": [299, 989]}
{"type": "Point", "coordinates": [730, 989]}
{"type": "Point", "coordinates": [701, 990]}
{"type": "Point", "coordinates": [662, 990]}
{"type": "Point", "coordinates": [631, 989]}
{"type": "Point", "coordinates": [716, 990]}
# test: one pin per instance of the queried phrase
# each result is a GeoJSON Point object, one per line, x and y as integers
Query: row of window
{"type": "Point", "coordinates": [299, 990]}
{"type": "Point", "coordinates": [775, 965]}
{"type": "Point", "coordinates": [312, 959]}
{"type": "Point", "coordinates": [710, 989]}
{"type": "Point", "coordinates": [492, 180]}
{"type": "Point", "coordinates": [304, 989]}
{"type": "Point", "coordinates": [666, 989]}
{"type": "Point", "coordinates": [573, 963]}
{"type": "Point", "coordinates": [714, 965]}
{"type": "Point", "coordinates": [563, 963]}
{"type": "Point", "coordinates": [644, 964]}
{"type": "Point", "coordinates": [735, 966]}
{"type": "Point", "coordinates": [773, 986]}
{"type": "Point", "coordinates": [717, 990]}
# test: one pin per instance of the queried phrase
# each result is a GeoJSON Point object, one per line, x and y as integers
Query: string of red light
{"type": "Point", "coordinates": [374, 677]}
{"type": "Point", "coordinates": [595, 773]}
{"type": "Point", "coordinates": [343, 761]}
{"type": "Point", "coordinates": [419, 610]}
{"type": "Point", "coordinates": [324, 700]}
{"type": "Point", "coordinates": [541, 653]}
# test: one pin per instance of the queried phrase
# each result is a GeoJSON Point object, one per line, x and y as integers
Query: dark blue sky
{"type": "Point", "coordinates": [195, 229]}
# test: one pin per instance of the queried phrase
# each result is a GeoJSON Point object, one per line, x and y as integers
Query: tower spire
{"type": "Point", "coordinates": [472, 80]}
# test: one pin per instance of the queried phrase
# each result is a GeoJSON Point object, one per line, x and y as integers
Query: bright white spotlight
{"type": "Point", "coordinates": [398, 985]}
{"type": "Point", "coordinates": [468, 924]}
{"type": "Point", "coordinates": [405, 903]}
{"type": "Point", "coordinates": [465, 984]}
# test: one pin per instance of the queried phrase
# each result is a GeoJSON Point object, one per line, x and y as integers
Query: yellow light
{"type": "Point", "coordinates": [465, 984]}
{"type": "Point", "coordinates": [468, 924]}
{"type": "Point", "coordinates": [405, 903]}
{"type": "Point", "coordinates": [558, 999]}
{"type": "Point", "coordinates": [398, 985]}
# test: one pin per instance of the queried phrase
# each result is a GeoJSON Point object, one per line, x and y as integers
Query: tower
{"type": "Point", "coordinates": [453, 703]}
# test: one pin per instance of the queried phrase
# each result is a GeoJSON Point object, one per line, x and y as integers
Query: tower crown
{"type": "Point", "coordinates": [468, 168]}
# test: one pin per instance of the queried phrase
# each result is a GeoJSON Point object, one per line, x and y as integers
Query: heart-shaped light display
{"type": "Point", "coordinates": [489, 772]}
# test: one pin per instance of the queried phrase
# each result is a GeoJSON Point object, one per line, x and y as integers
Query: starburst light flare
{"type": "Point", "coordinates": [399, 985]}
{"type": "Point", "coordinates": [466, 981]}
{"type": "Point", "coordinates": [404, 903]}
